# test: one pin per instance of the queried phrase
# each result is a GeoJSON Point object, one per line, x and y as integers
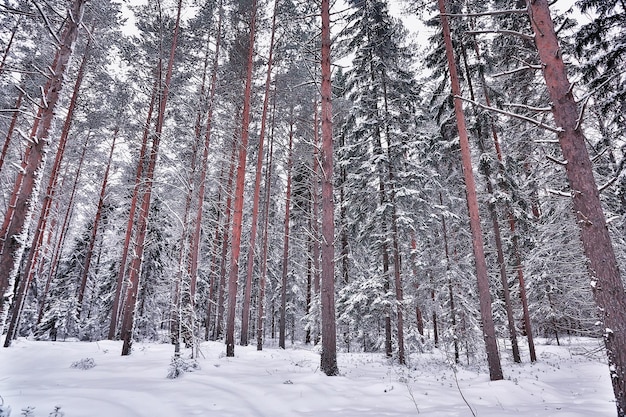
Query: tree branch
{"type": "Point", "coordinates": [556, 161]}
{"type": "Point", "coordinates": [47, 23]}
{"type": "Point", "coordinates": [502, 31]}
{"type": "Point", "coordinates": [493, 13]}
{"type": "Point", "coordinates": [531, 108]}
{"type": "Point", "coordinates": [515, 115]}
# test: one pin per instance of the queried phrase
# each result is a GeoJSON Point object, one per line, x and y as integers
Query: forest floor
{"type": "Point", "coordinates": [571, 380]}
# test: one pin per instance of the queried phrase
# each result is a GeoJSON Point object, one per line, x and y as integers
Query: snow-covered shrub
{"type": "Point", "coordinates": [84, 364]}
{"type": "Point", "coordinates": [178, 366]}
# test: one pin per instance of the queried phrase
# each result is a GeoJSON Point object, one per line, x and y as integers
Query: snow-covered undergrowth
{"type": "Point", "coordinates": [567, 381]}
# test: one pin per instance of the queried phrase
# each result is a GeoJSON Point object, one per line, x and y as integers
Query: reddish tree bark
{"type": "Point", "coordinates": [120, 285]}
{"type": "Point", "coordinates": [489, 333]}
{"type": "Point", "coordinates": [195, 240]}
{"type": "Point", "coordinates": [608, 288]}
{"type": "Point", "coordinates": [328, 360]}
{"type": "Point", "coordinates": [94, 230]}
{"type": "Point", "coordinates": [285, 271]}
{"type": "Point", "coordinates": [17, 217]}
{"type": "Point", "coordinates": [245, 315]}
{"type": "Point", "coordinates": [239, 189]}
{"type": "Point", "coordinates": [60, 241]}
{"type": "Point", "coordinates": [516, 249]}
{"type": "Point", "coordinates": [142, 223]}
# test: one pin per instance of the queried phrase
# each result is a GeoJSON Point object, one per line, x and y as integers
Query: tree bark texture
{"type": "Point", "coordinates": [142, 223]}
{"type": "Point", "coordinates": [329, 331]}
{"type": "Point", "coordinates": [489, 333]}
{"type": "Point", "coordinates": [245, 315]}
{"type": "Point", "coordinates": [17, 219]}
{"type": "Point", "coordinates": [239, 189]}
{"type": "Point", "coordinates": [608, 288]}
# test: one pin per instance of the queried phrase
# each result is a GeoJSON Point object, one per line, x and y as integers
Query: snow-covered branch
{"type": "Point", "coordinates": [515, 115]}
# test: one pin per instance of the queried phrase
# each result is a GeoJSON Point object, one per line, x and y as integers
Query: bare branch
{"type": "Point", "coordinates": [516, 70]}
{"type": "Point", "coordinates": [556, 161]}
{"type": "Point", "coordinates": [531, 108]}
{"type": "Point", "coordinates": [515, 115]}
{"type": "Point", "coordinates": [553, 141]}
{"type": "Point", "coordinates": [493, 13]}
{"type": "Point", "coordinates": [11, 10]}
{"type": "Point", "coordinates": [502, 31]}
{"type": "Point", "coordinates": [607, 185]}
{"type": "Point", "coordinates": [582, 112]}
{"type": "Point", "coordinates": [559, 193]}
{"type": "Point", "coordinates": [598, 156]}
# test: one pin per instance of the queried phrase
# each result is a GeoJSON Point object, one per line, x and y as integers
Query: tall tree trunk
{"type": "Point", "coordinates": [60, 241]}
{"type": "Point", "coordinates": [94, 230]}
{"type": "Point", "coordinates": [260, 328]}
{"type": "Point", "coordinates": [446, 248]}
{"type": "Point", "coordinates": [328, 361]}
{"type": "Point", "coordinates": [245, 315]}
{"type": "Point", "coordinates": [17, 219]}
{"type": "Point", "coordinates": [142, 224]}
{"type": "Point", "coordinates": [489, 333]}
{"type": "Point", "coordinates": [225, 241]}
{"type": "Point", "coordinates": [285, 272]}
{"type": "Point", "coordinates": [121, 274]}
{"type": "Point", "coordinates": [239, 189]}
{"type": "Point", "coordinates": [195, 242]}
{"type": "Point", "coordinates": [608, 288]}
{"type": "Point", "coordinates": [485, 169]}
{"type": "Point", "coordinates": [512, 226]}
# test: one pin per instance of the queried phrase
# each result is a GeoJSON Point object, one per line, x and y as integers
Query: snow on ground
{"type": "Point", "coordinates": [567, 381]}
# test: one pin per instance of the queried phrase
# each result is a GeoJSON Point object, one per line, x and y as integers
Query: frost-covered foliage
{"type": "Point", "coordinates": [84, 364]}
{"type": "Point", "coordinates": [179, 366]}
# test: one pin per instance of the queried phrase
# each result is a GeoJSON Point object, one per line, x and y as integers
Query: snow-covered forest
{"type": "Point", "coordinates": [317, 179]}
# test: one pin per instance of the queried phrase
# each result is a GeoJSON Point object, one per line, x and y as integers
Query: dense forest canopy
{"type": "Point", "coordinates": [315, 172]}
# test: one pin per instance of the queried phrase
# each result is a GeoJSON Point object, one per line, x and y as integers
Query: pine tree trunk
{"type": "Point", "coordinates": [195, 242]}
{"type": "Point", "coordinates": [28, 272]}
{"type": "Point", "coordinates": [94, 230]}
{"type": "Point", "coordinates": [446, 248]}
{"type": "Point", "coordinates": [516, 249]}
{"type": "Point", "coordinates": [239, 189]}
{"type": "Point", "coordinates": [245, 315]}
{"type": "Point", "coordinates": [489, 333]}
{"type": "Point", "coordinates": [328, 361]}
{"type": "Point", "coordinates": [60, 241]}
{"type": "Point", "coordinates": [121, 274]}
{"type": "Point", "coordinates": [17, 219]}
{"type": "Point", "coordinates": [142, 223]}
{"type": "Point", "coordinates": [225, 241]}
{"type": "Point", "coordinates": [608, 288]}
{"type": "Point", "coordinates": [285, 272]}
{"type": "Point", "coordinates": [266, 213]}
